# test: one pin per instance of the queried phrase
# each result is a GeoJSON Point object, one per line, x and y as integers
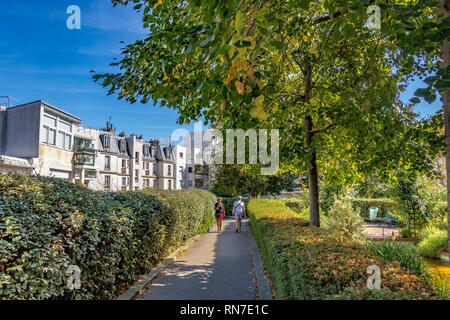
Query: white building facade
{"type": "Point", "coordinates": [41, 139]}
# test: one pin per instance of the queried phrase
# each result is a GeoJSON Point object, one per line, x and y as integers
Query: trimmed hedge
{"type": "Point", "coordinates": [306, 263]}
{"type": "Point", "coordinates": [47, 225]}
{"type": "Point", "coordinates": [229, 202]}
{"type": "Point", "coordinates": [365, 204]}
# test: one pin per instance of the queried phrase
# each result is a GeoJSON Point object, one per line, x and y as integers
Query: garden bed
{"type": "Point", "coordinates": [307, 263]}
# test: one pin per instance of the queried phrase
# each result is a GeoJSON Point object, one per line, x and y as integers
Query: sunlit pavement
{"type": "Point", "coordinates": [216, 267]}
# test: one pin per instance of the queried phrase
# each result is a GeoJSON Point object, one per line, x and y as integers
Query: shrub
{"type": "Point", "coordinates": [433, 241]}
{"type": "Point", "coordinates": [228, 202]}
{"type": "Point", "coordinates": [406, 232]}
{"type": "Point", "coordinates": [306, 263]}
{"type": "Point", "coordinates": [299, 205]}
{"type": "Point", "coordinates": [403, 252]}
{"type": "Point", "coordinates": [343, 220]}
{"type": "Point", "coordinates": [46, 225]}
{"type": "Point", "coordinates": [365, 204]}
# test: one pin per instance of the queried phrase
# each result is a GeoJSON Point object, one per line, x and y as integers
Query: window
{"type": "Point", "coordinates": [107, 141]}
{"type": "Point", "coordinates": [190, 183]}
{"type": "Point", "coordinates": [136, 175]}
{"type": "Point", "coordinates": [107, 163]}
{"type": "Point", "coordinates": [49, 136]}
{"type": "Point", "coordinates": [137, 157]}
{"type": "Point", "coordinates": [61, 139]}
{"type": "Point", "coordinates": [64, 125]}
{"type": "Point", "coordinates": [64, 140]}
{"type": "Point", "coordinates": [190, 170]}
{"type": "Point", "coordinates": [123, 146]}
{"type": "Point", "coordinates": [49, 120]}
{"type": "Point", "coordinates": [169, 170]}
{"type": "Point", "coordinates": [124, 163]}
{"type": "Point", "coordinates": [68, 142]}
{"type": "Point", "coordinates": [124, 181]}
{"type": "Point", "coordinates": [181, 155]}
{"type": "Point", "coordinates": [146, 151]}
{"type": "Point", "coordinates": [155, 169]}
{"type": "Point", "coordinates": [181, 170]}
{"type": "Point", "coordinates": [170, 184]}
{"type": "Point", "coordinates": [107, 182]}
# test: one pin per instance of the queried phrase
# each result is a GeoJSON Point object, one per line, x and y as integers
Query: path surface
{"type": "Point", "coordinates": [216, 267]}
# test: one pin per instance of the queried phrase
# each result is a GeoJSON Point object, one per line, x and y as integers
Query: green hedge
{"type": "Point", "coordinates": [47, 225]}
{"type": "Point", "coordinates": [365, 204]}
{"type": "Point", "coordinates": [306, 263]}
{"type": "Point", "coordinates": [228, 202]}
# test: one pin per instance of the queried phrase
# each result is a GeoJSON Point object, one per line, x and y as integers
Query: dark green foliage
{"type": "Point", "coordinates": [47, 225]}
{"type": "Point", "coordinates": [403, 252]}
{"type": "Point", "coordinates": [365, 204]}
{"type": "Point", "coordinates": [228, 202]}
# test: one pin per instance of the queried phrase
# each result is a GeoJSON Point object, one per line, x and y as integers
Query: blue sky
{"type": "Point", "coordinates": [41, 59]}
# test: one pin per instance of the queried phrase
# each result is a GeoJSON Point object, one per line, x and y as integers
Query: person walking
{"type": "Point", "coordinates": [238, 213]}
{"type": "Point", "coordinates": [219, 209]}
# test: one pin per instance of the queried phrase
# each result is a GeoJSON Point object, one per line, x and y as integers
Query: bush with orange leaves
{"type": "Point", "coordinates": [308, 263]}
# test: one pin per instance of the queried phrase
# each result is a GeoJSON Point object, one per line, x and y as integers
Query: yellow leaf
{"type": "Point", "coordinates": [259, 101]}
{"type": "Point", "coordinates": [165, 77]}
{"type": "Point", "coordinates": [157, 4]}
{"type": "Point", "coordinates": [237, 21]}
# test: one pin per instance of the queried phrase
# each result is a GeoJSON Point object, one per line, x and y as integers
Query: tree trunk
{"type": "Point", "coordinates": [313, 180]}
{"type": "Point", "coordinates": [445, 60]}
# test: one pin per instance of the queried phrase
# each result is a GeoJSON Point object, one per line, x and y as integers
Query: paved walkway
{"type": "Point", "coordinates": [375, 230]}
{"type": "Point", "coordinates": [216, 267]}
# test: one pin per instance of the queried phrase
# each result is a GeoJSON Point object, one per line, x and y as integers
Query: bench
{"type": "Point", "coordinates": [388, 218]}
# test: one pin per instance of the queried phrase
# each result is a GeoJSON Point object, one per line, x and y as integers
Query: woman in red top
{"type": "Point", "coordinates": [219, 209]}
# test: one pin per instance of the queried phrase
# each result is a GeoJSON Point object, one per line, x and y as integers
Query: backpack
{"type": "Point", "coordinates": [219, 212]}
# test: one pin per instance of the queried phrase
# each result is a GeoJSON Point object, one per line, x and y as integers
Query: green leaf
{"type": "Point", "coordinates": [428, 94]}
{"type": "Point", "coordinates": [277, 44]}
{"type": "Point", "coordinates": [207, 40]}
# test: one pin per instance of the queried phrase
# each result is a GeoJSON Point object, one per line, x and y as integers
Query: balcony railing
{"type": "Point", "coordinates": [84, 160]}
{"type": "Point", "coordinates": [86, 149]}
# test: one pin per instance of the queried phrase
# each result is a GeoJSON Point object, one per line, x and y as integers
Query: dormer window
{"type": "Point", "coordinates": [107, 142]}
{"type": "Point", "coordinates": [145, 151]}
{"type": "Point", "coordinates": [123, 146]}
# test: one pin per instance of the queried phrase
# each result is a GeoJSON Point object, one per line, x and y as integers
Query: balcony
{"type": "Point", "coordinates": [82, 149]}
{"type": "Point", "coordinates": [83, 146]}
{"type": "Point", "coordinates": [90, 174]}
{"type": "Point", "coordinates": [84, 160]}
{"type": "Point", "coordinates": [124, 171]}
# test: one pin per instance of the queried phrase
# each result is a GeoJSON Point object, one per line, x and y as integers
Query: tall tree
{"type": "Point", "coordinates": [445, 62]}
{"type": "Point", "coordinates": [311, 68]}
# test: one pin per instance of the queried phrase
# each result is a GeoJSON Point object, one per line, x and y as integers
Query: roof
{"type": "Point", "coordinates": [114, 145]}
{"type": "Point", "coordinates": [54, 109]}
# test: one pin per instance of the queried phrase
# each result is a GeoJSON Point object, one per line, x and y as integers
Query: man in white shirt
{"type": "Point", "coordinates": [238, 212]}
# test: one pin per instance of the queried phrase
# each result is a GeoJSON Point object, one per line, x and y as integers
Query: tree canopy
{"type": "Point", "coordinates": [310, 68]}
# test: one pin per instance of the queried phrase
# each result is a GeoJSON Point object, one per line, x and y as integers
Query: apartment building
{"type": "Point", "coordinates": [41, 139]}
{"type": "Point", "coordinates": [199, 174]}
